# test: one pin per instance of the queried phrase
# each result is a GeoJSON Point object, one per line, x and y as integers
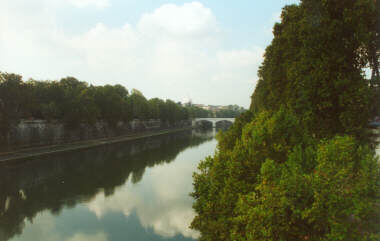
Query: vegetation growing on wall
{"type": "Point", "coordinates": [299, 165]}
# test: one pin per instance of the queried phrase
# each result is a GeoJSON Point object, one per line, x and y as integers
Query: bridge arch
{"type": "Point", "coordinates": [223, 124]}
{"type": "Point", "coordinates": [204, 124]}
{"type": "Point", "coordinates": [223, 121]}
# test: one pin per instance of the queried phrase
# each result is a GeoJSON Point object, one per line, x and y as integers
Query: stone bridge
{"type": "Point", "coordinates": [213, 122]}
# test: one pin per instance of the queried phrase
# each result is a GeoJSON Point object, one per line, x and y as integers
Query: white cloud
{"type": "Point", "coordinates": [166, 218]}
{"type": "Point", "coordinates": [238, 65]}
{"type": "Point", "coordinates": [93, 237]}
{"type": "Point", "coordinates": [175, 51]}
{"type": "Point", "coordinates": [44, 227]}
{"type": "Point", "coordinates": [100, 4]}
{"type": "Point", "coordinates": [161, 200]}
{"type": "Point", "coordinates": [189, 20]}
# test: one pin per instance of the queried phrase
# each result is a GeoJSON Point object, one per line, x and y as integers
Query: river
{"type": "Point", "coordinates": [137, 190]}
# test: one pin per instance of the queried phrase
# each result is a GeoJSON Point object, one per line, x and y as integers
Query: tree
{"type": "Point", "coordinates": [309, 75]}
{"type": "Point", "coordinates": [156, 106]}
{"type": "Point", "coordinates": [111, 103]}
{"type": "Point", "coordinates": [70, 102]}
{"type": "Point", "coordinates": [88, 111]}
{"type": "Point", "coordinates": [75, 102]}
{"type": "Point", "coordinates": [139, 105]}
{"type": "Point", "coordinates": [12, 99]}
{"type": "Point", "coordinates": [298, 165]}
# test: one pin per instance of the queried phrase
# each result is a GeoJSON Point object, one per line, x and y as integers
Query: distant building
{"type": "Point", "coordinates": [200, 106]}
{"type": "Point", "coordinates": [216, 108]}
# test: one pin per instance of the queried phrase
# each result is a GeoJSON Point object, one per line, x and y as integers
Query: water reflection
{"type": "Point", "coordinates": [100, 194]}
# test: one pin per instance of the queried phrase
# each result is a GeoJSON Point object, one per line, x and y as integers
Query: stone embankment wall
{"type": "Point", "coordinates": [40, 132]}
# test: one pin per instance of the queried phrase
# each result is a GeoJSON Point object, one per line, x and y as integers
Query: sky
{"type": "Point", "coordinates": [204, 51]}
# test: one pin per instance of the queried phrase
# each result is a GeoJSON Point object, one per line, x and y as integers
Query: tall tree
{"type": "Point", "coordinates": [298, 165]}
{"type": "Point", "coordinates": [12, 100]}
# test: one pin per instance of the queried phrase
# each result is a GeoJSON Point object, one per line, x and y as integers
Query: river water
{"type": "Point", "coordinates": [127, 191]}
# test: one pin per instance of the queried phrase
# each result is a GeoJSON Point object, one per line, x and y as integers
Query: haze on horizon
{"type": "Point", "coordinates": [207, 51]}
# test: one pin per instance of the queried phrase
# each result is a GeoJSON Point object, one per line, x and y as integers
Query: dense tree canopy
{"type": "Point", "coordinates": [299, 165]}
{"type": "Point", "coordinates": [74, 102]}
{"type": "Point", "coordinates": [12, 91]}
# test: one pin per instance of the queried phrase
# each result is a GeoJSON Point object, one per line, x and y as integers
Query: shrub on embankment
{"type": "Point", "coordinates": [299, 165]}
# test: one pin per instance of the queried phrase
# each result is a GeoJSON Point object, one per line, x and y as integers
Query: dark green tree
{"type": "Point", "coordinates": [12, 100]}
{"type": "Point", "coordinates": [139, 105]}
{"type": "Point", "coordinates": [298, 165]}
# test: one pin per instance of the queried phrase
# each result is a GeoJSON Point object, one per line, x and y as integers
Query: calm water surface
{"type": "Point", "coordinates": [128, 191]}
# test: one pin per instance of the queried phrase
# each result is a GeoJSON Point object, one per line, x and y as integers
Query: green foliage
{"type": "Point", "coordinates": [12, 90]}
{"type": "Point", "coordinates": [110, 102]}
{"type": "Point", "coordinates": [235, 169]}
{"type": "Point", "coordinates": [276, 183]}
{"type": "Point", "coordinates": [227, 139]}
{"type": "Point", "coordinates": [139, 105]}
{"type": "Point", "coordinates": [333, 201]}
{"type": "Point", "coordinates": [74, 102]}
{"type": "Point", "coordinates": [346, 187]}
{"type": "Point", "coordinates": [298, 165]}
{"type": "Point", "coordinates": [315, 64]}
{"type": "Point", "coordinates": [195, 111]}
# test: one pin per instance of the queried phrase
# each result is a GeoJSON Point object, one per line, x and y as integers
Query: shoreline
{"type": "Point", "coordinates": [21, 155]}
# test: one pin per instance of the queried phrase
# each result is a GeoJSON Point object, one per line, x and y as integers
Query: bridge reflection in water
{"type": "Point", "coordinates": [58, 183]}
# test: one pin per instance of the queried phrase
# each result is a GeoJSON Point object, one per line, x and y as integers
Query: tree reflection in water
{"type": "Point", "coordinates": [62, 181]}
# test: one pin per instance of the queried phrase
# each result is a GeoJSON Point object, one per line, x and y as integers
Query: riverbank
{"type": "Point", "coordinates": [34, 152]}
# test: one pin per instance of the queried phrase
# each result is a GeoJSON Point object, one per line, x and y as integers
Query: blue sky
{"type": "Point", "coordinates": [244, 20]}
{"type": "Point", "coordinates": [206, 51]}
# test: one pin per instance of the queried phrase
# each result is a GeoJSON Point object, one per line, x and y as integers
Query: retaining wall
{"type": "Point", "coordinates": [41, 132]}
